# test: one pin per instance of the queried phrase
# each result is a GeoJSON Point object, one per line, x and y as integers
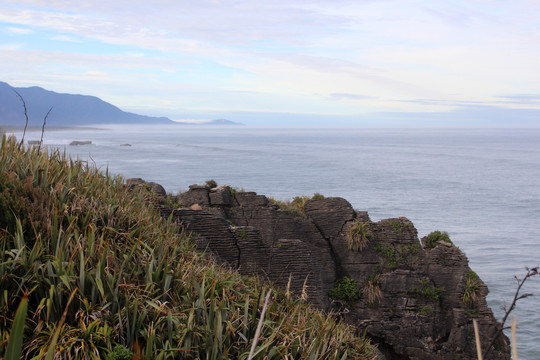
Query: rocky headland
{"type": "Point", "coordinates": [415, 298]}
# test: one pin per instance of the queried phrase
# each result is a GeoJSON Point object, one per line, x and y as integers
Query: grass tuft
{"type": "Point", "coordinates": [471, 288]}
{"type": "Point", "coordinates": [358, 235]}
{"type": "Point", "coordinates": [372, 290]}
{"type": "Point", "coordinates": [297, 205]}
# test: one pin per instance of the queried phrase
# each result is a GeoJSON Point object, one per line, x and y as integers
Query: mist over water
{"type": "Point", "coordinates": [482, 186]}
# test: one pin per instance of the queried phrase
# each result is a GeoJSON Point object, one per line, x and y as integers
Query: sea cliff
{"type": "Point", "coordinates": [415, 298]}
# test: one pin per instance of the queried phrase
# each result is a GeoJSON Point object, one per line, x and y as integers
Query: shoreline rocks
{"type": "Point", "coordinates": [77, 143]}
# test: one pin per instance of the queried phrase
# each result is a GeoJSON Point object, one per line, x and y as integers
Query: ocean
{"type": "Point", "coordinates": [482, 186]}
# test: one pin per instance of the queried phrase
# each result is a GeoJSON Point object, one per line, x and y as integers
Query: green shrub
{"type": "Point", "coordinates": [345, 289]}
{"type": "Point", "coordinates": [471, 289]}
{"type": "Point", "coordinates": [389, 257]}
{"type": "Point", "coordinates": [434, 238]}
{"type": "Point", "coordinates": [235, 190]}
{"type": "Point", "coordinates": [425, 310]}
{"type": "Point", "coordinates": [211, 183]}
{"type": "Point", "coordinates": [427, 291]}
{"type": "Point", "coordinates": [120, 353]}
{"type": "Point", "coordinates": [317, 196]}
{"type": "Point", "coordinates": [392, 256]}
{"type": "Point", "coordinates": [396, 225]}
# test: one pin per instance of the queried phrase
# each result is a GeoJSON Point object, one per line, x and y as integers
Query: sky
{"type": "Point", "coordinates": [297, 62]}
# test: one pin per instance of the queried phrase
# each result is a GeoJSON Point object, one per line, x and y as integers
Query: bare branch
{"type": "Point", "coordinates": [25, 115]}
{"type": "Point", "coordinates": [530, 273]}
{"type": "Point", "coordinates": [43, 127]}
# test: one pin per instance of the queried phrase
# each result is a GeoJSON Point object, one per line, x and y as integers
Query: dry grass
{"type": "Point", "coordinates": [358, 235]}
{"type": "Point", "coordinates": [372, 290]}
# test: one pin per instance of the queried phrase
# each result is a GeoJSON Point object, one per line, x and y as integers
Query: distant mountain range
{"type": "Point", "coordinates": [221, 122]}
{"type": "Point", "coordinates": [69, 110]}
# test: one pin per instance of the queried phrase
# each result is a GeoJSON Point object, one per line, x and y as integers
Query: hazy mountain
{"type": "Point", "coordinates": [223, 122]}
{"type": "Point", "coordinates": [216, 122]}
{"type": "Point", "coordinates": [69, 110]}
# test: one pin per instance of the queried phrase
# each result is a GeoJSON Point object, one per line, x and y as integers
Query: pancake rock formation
{"type": "Point", "coordinates": [415, 299]}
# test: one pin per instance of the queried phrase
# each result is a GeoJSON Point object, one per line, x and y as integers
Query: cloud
{"type": "Point", "coordinates": [445, 102]}
{"type": "Point", "coordinates": [10, 47]}
{"type": "Point", "coordinates": [66, 38]}
{"type": "Point", "coordinates": [342, 96]}
{"type": "Point", "coordinates": [74, 59]}
{"type": "Point", "coordinates": [281, 55]}
{"type": "Point", "coordinates": [525, 99]}
{"type": "Point", "coordinates": [235, 23]}
{"type": "Point", "coordinates": [19, 30]}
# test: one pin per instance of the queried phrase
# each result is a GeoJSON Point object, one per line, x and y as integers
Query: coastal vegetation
{"type": "Point", "coordinates": [394, 255]}
{"type": "Point", "coordinates": [346, 289]}
{"type": "Point", "coordinates": [358, 235]}
{"type": "Point", "coordinates": [435, 237]}
{"type": "Point", "coordinates": [471, 288]}
{"type": "Point", "coordinates": [426, 290]}
{"type": "Point", "coordinates": [211, 183]}
{"type": "Point", "coordinates": [297, 204]}
{"type": "Point", "coordinates": [372, 290]}
{"type": "Point", "coordinates": [92, 271]}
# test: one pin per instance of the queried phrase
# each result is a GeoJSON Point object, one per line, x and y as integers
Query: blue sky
{"type": "Point", "coordinates": [362, 62]}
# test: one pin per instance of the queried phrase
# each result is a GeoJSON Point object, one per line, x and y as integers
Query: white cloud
{"type": "Point", "coordinates": [288, 54]}
{"type": "Point", "coordinates": [66, 38]}
{"type": "Point", "coordinates": [10, 47]}
{"type": "Point", "coordinates": [19, 30]}
{"type": "Point", "coordinates": [354, 97]}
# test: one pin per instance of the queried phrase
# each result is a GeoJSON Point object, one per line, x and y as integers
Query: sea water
{"type": "Point", "coordinates": [482, 186]}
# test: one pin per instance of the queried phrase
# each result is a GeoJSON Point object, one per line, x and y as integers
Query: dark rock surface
{"type": "Point", "coordinates": [152, 186]}
{"type": "Point", "coordinates": [412, 298]}
{"type": "Point", "coordinates": [84, 142]}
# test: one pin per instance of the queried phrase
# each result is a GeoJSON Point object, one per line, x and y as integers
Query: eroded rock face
{"type": "Point", "coordinates": [152, 186]}
{"type": "Point", "coordinates": [413, 300]}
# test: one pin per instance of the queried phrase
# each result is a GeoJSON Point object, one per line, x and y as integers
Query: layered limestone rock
{"type": "Point", "coordinates": [416, 302]}
{"type": "Point", "coordinates": [156, 188]}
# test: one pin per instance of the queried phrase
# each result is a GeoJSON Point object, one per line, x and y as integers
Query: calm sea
{"type": "Point", "coordinates": [482, 186]}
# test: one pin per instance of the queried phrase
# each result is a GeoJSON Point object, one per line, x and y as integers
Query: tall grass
{"type": "Point", "coordinates": [358, 235]}
{"type": "Point", "coordinates": [101, 268]}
